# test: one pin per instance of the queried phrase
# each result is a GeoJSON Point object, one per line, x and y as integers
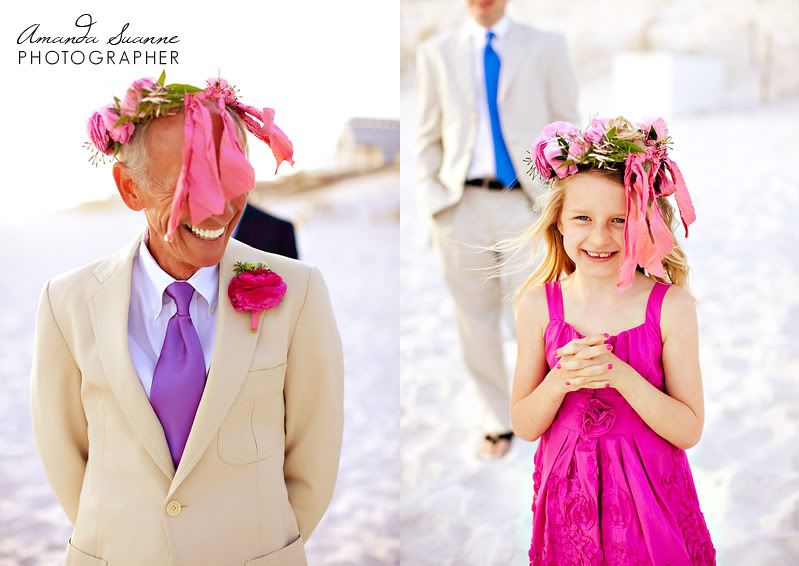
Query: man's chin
{"type": "Point", "coordinates": [204, 253]}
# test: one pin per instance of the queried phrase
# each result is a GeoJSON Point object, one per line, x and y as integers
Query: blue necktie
{"type": "Point", "coordinates": [505, 172]}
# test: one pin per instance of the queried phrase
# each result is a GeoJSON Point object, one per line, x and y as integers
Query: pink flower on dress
{"type": "Point", "coordinates": [537, 460]}
{"type": "Point", "coordinates": [617, 507]}
{"type": "Point", "coordinates": [598, 418]}
{"type": "Point", "coordinates": [581, 511]}
{"type": "Point", "coordinates": [255, 289]}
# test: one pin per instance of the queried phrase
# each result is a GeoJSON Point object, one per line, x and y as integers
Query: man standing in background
{"type": "Point", "coordinates": [484, 92]}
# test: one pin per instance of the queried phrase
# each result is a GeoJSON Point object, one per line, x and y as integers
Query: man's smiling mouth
{"type": "Point", "coordinates": [205, 234]}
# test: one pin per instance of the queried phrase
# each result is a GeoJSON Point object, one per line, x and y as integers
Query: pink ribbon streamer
{"type": "Point", "coordinates": [267, 131]}
{"type": "Point", "coordinates": [207, 180]}
{"type": "Point", "coordinates": [647, 238]}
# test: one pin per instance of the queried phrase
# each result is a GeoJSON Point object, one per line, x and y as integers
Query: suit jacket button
{"type": "Point", "coordinates": [173, 508]}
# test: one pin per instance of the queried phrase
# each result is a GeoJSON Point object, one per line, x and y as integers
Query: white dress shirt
{"type": "Point", "coordinates": [483, 164]}
{"type": "Point", "coordinates": [151, 308]}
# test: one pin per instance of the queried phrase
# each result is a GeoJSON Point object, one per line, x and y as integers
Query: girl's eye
{"type": "Point", "coordinates": [581, 218]}
{"type": "Point", "coordinates": [618, 220]}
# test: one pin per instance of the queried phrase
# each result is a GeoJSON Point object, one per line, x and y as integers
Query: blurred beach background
{"type": "Point", "coordinates": [307, 60]}
{"type": "Point", "coordinates": [725, 76]}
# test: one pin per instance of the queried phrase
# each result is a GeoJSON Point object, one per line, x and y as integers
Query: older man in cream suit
{"type": "Point", "coordinates": [484, 93]}
{"type": "Point", "coordinates": [255, 474]}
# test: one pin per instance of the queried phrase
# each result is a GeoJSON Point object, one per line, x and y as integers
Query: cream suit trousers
{"type": "Point", "coordinates": [460, 235]}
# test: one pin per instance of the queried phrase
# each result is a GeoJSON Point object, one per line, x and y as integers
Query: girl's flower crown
{"type": "Point", "coordinates": [206, 181]}
{"type": "Point", "coordinates": [641, 152]}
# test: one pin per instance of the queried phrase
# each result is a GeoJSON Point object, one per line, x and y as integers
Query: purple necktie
{"type": "Point", "coordinates": [179, 376]}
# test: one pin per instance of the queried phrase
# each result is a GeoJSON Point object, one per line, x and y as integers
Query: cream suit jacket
{"type": "Point", "coordinates": [536, 86]}
{"type": "Point", "coordinates": [261, 460]}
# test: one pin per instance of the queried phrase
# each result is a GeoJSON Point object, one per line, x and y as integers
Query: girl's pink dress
{"type": "Point", "coordinates": [608, 489]}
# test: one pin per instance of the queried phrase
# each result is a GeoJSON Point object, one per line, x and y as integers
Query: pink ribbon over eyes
{"type": "Point", "coordinates": [207, 180]}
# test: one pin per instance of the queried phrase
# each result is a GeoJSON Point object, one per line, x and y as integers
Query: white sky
{"type": "Point", "coordinates": [316, 62]}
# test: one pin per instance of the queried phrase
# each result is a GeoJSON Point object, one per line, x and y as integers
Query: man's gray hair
{"type": "Point", "coordinates": [134, 153]}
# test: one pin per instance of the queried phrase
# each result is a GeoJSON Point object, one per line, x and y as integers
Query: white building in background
{"type": "Point", "coordinates": [368, 143]}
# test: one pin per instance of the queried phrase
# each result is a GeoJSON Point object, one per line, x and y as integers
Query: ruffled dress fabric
{"type": "Point", "coordinates": [607, 489]}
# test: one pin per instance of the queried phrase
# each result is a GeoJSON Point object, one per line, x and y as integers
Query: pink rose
{"type": "Point", "coordinates": [554, 156]}
{"type": "Point", "coordinates": [121, 133]}
{"type": "Point", "coordinates": [222, 88]}
{"type": "Point", "coordinates": [541, 163]}
{"type": "Point", "coordinates": [560, 128]}
{"type": "Point", "coordinates": [98, 133]}
{"type": "Point", "coordinates": [658, 124]}
{"type": "Point", "coordinates": [133, 96]}
{"type": "Point", "coordinates": [547, 152]}
{"type": "Point", "coordinates": [255, 291]}
{"type": "Point", "coordinates": [596, 130]}
{"type": "Point", "coordinates": [597, 419]}
{"type": "Point", "coordinates": [578, 147]}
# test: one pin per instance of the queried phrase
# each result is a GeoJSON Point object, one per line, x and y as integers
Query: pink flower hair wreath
{"type": "Point", "coordinates": [206, 180]}
{"type": "Point", "coordinates": [641, 151]}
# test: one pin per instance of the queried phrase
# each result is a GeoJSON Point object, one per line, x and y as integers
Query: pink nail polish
{"type": "Point", "coordinates": [606, 335]}
{"type": "Point", "coordinates": [557, 366]}
{"type": "Point", "coordinates": [568, 383]}
{"type": "Point", "coordinates": [608, 346]}
{"type": "Point", "coordinates": [610, 366]}
{"type": "Point", "coordinates": [607, 385]}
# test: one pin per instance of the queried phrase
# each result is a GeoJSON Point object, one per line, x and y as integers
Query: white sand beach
{"type": "Point", "coordinates": [349, 231]}
{"type": "Point", "coordinates": [458, 509]}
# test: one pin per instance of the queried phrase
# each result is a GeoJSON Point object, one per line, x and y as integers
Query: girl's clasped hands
{"type": "Point", "coordinates": [588, 362]}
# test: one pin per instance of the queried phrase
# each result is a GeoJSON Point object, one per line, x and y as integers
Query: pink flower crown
{"type": "Point", "coordinates": [206, 181]}
{"type": "Point", "coordinates": [641, 152]}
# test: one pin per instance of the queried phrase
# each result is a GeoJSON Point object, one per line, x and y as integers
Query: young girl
{"type": "Point", "coordinates": [607, 371]}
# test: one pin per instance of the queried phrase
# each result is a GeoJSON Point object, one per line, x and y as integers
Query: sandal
{"type": "Point", "coordinates": [494, 439]}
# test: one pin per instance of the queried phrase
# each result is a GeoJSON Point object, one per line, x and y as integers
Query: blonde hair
{"type": "Point", "coordinates": [556, 263]}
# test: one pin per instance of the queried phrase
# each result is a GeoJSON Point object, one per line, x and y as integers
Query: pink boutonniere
{"type": "Point", "coordinates": [255, 288]}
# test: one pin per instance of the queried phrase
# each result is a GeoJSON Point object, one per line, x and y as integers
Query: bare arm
{"type": "Point", "coordinates": [678, 414]}
{"type": "Point", "coordinates": [537, 391]}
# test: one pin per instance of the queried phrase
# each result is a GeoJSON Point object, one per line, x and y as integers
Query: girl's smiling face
{"type": "Point", "coordinates": [592, 223]}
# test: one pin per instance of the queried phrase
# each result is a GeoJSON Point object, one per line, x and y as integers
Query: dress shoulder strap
{"type": "Point", "coordinates": [655, 302]}
{"type": "Point", "coordinates": [554, 300]}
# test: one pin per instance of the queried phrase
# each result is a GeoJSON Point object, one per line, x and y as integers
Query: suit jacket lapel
{"type": "Point", "coordinates": [463, 65]}
{"type": "Point", "coordinates": [109, 315]}
{"type": "Point", "coordinates": [514, 54]}
{"type": "Point", "coordinates": [234, 346]}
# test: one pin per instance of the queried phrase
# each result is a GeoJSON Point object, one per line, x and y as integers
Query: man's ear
{"type": "Point", "coordinates": [127, 187]}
